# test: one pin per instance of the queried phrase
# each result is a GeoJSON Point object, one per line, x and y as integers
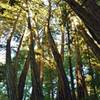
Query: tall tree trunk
{"type": "Point", "coordinates": [15, 62]}
{"type": "Point", "coordinates": [90, 42]}
{"type": "Point", "coordinates": [66, 23]}
{"type": "Point", "coordinates": [40, 66]}
{"type": "Point", "coordinates": [22, 79]}
{"type": "Point", "coordinates": [81, 86]}
{"type": "Point", "coordinates": [58, 59]}
{"type": "Point", "coordinates": [36, 86]}
{"type": "Point", "coordinates": [80, 89]}
{"type": "Point", "coordinates": [40, 58]}
{"type": "Point", "coordinates": [60, 93]}
{"type": "Point", "coordinates": [36, 91]}
{"type": "Point", "coordinates": [91, 20]}
{"type": "Point", "coordinates": [70, 64]}
{"type": "Point", "coordinates": [11, 76]}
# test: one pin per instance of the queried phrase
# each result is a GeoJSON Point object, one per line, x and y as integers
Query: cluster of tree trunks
{"type": "Point", "coordinates": [66, 93]}
{"type": "Point", "coordinates": [14, 92]}
{"type": "Point", "coordinates": [65, 25]}
{"type": "Point", "coordinates": [11, 76]}
{"type": "Point", "coordinates": [36, 86]}
{"type": "Point", "coordinates": [87, 13]}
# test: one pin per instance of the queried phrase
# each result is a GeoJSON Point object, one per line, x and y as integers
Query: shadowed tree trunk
{"type": "Point", "coordinates": [91, 20]}
{"type": "Point", "coordinates": [11, 76]}
{"type": "Point", "coordinates": [22, 79]}
{"type": "Point", "coordinates": [90, 42]}
{"type": "Point", "coordinates": [65, 25]}
{"type": "Point", "coordinates": [36, 86]}
{"type": "Point", "coordinates": [61, 73]}
{"type": "Point", "coordinates": [60, 93]}
{"type": "Point", "coordinates": [70, 64]}
{"type": "Point", "coordinates": [81, 86]}
{"type": "Point", "coordinates": [40, 46]}
{"type": "Point", "coordinates": [40, 66]}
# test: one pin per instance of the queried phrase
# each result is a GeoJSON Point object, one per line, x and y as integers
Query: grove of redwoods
{"type": "Point", "coordinates": [51, 49]}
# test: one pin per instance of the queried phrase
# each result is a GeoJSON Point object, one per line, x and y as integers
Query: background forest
{"type": "Point", "coordinates": [49, 49]}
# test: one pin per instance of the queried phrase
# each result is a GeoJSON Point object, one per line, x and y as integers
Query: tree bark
{"type": "Point", "coordinates": [10, 75]}
{"type": "Point", "coordinates": [58, 59]}
{"type": "Point", "coordinates": [22, 79]}
{"type": "Point", "coordinates": [60, 93]}
{"type": "Point", "coordinates": [36, 86]}
{"type": "Point", "coordinates": [90, 42]}
{"type": "Point", "coordinates": [70, 64]}
{"type": "Point", "coordinates": [91, 20]}
{"type": "Point", "coordinates": [10, 69]}
{"type": "Point", "coordinates": [81, 86]}
{"type": "Point", "coordinates": [66, 23]}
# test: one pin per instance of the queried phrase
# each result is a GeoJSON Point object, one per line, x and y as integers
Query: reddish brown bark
{"type": "Point", "coordinates": [22, 79]}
